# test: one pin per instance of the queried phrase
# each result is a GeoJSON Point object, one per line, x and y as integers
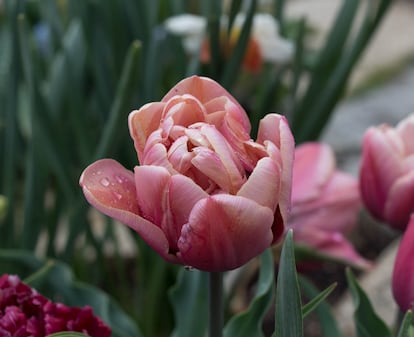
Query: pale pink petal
{"type": "Point", "coordinates": [330, 245]}
{"type": "Point", "coordinates": [110, 188]}
{"type": "Point", "coordinates": [400, 202]}
{"type": "Point", "coordinates": [403, 273]}
{"type": "Point", "coordinates": [406, 131]}
{"type": "Point", "coordinates": [275, 128]}
{"type": "Point", "coordinates": [209, 163]}
{"type": "Point", "coordinates": [205, 90]}
{"type": "Point", "coordinates": [152, 185]}
{"type": "Point", "coordinates": [226, 155]}
{"type": "Point", "coordinates": [183, 194]}
{"type": "Point", "coordinates": [381, 165]}
{"type": "Point", "coordinates": [263, 185]}
{"type": "Point", "coordinates": [184, 110]}
{"type": "Point", "coordinates": [336, 208]}
{"type": "Point", "coordinates": [179, 156]}
{"type": "Point", "coordinates": [224, 232]}
{"type": "Point", "coordinates": [143, 122]}
{"type": "Point", "coordinates": [155, 153]}
{"type": "Point", "coordinates": [313, 166]}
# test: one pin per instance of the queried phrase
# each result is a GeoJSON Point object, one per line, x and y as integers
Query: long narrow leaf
{"type": "Point", "coordinates": [329, 327]}
{"type": "Point", "coordinates": [189, 298]}
{"type": "Point", "coordinates": [232, 67]}
{"type": "Point", "coordinates": [327, 61]}
{"type": "Point", "coordinates": [406, 324]}
{"type": "Point", "coordinates": [317, 300]}
{"type": "Point", "coordinates": [289, 320]}
{"type": "Point", "coordinates": [249, 322]}
{"type": "Point", "coordinates": [368, 324]}
{"type": "Point", "coordinates": [125, 91]}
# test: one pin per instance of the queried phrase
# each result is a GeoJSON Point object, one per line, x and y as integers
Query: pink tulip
{"type": "Point", "coordinates": [387, 172]}
{"type": "Point", "coordinates": [403, 274]}
{"type": "Point", "coordinates": [205, 194]}
{"type": "Point", "coordinates": [325, 204]}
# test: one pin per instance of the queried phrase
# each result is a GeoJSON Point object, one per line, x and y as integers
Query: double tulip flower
{"type": "Point", "coordinates": [387, 187]}
{"type": "Point", "coordinates": [387, 172]}
{"type": "Point", "coordinates": [205, 194]}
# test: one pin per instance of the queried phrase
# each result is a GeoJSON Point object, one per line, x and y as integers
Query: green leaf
{"type": "Point", "coordinates": [368, 324]}
{"type": "Point", "coordinates": [55, 280]}
{"type": "Point", "coordinates": [406, 324]}
{"type": "Point", "coordinates": [326, 318]}
{"type": "Point", "coordinates": [328, 60]}
{"type": "Point", "coordinates": [189, 298]}
{"type": "Point", "coordinates": [67, 334]}
{"type": "Point", "coordinates": [249, 322]}
{"type": "Point", "coordinates": [232, 68]}
{"type": "Point", "coordinates": [289, 320]}
{"type": "Point", "coordinates": [120, 106]}
{"type": "Point", "coordinates": [314, 303]}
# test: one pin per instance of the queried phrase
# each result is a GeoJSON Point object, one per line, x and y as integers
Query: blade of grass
{"type": "Point", "coordinates": [289, 320]}
{"type": "Point", "coordinates": [125, 91]}
{"type": "Point", "coordinates": [233, 65]}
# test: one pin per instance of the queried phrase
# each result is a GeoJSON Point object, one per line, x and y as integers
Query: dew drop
{"type": "Point", "coordinates": [104, 182]}
{"type": "Point", "coordinates": [120, 179]}
{"type": "Point", "coordinates": [117, 195]}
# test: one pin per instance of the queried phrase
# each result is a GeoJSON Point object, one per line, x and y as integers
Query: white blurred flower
{"type": "Point", "coordinates": [192, 28]}
{"type": "Point", "coordinates": [265, 33]}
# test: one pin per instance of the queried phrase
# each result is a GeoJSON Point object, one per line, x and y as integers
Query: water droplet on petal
{"type": "Point", "coordinates": [104, 182]}
{"type": "Point", "coordinates": [121, 179]}
{"type": "Point", "coordinates": [117, 195]}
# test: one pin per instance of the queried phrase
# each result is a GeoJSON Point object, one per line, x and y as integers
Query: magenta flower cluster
{"type": "Point", "coordinates": [24, 312]}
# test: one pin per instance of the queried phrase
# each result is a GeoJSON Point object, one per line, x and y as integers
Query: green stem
{"type": "Point", "coordinates": [215, 322]}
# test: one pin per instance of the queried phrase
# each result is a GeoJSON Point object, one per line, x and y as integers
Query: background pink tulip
{"type": "Point", "coordinates": [325, 204]}
{"type": "Point", "coordinates": [387, 172]}
{"type": "Point", "coordinates": [403, 274]}
{"type": "Point", "coordinates": [205, 194]}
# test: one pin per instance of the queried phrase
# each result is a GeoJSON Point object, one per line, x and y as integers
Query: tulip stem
{"type": "Point", "coordinates": [216, 310]}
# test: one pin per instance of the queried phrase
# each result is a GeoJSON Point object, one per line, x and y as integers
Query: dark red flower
{"type": "Point", "coordinates": [26, 313]}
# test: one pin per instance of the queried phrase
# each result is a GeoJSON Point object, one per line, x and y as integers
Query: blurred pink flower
{"type": "Point", "coordinates": [403, 274]}
{"type": "Point", "coordinates": [387, 172]}
{"type": "Point", "coordinates": [26, 313]}
{"type": "Point", "coordinates": [325, 204]}
{"type": "Point", "coordinates": [205, 194]}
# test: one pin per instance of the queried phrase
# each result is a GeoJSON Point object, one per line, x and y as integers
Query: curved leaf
{"type": "Point", "coordinates": [289, 320]}
{"type": "Point", "coordinates": [67, 334]}
{"type": "Point", "coordinates": [327, 320]}
{"type": "Point", "coordinates": [406, 324]}
{"type": "Point", "coordinates": [189, 298]}
{"type": "Point", "coordinates": [249, 322]}
{"type": "Point", "coordinates": [368, 324]}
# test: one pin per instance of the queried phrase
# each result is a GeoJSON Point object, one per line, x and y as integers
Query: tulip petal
{"type": "Point", "coordinates": [224, 232]}
{"type": "Point", "coordinates": [263, 185]}
{"type": "Point", "coordinates": [403, 273]}
{"type": "Point", "coordinates": [406, 131]}
{"type": "Point", "coordinates": [335, 209]}
{"type": "Point", "coordinates": [184, 110]}
{"type": "Point", "coordinates": [275, 128]}
{"type": "Point", "coordinates": [143, 122]}
{"type": "Point", "coordinates": [400, 201]}
{"type": "Point", "coordinates": [110, 188]}
{"type": "Point", "coordinates": [224, 154]}
{"type": "Point", "coordinates": [183, 194]}
{"type": "Point", "coordinates": [313, 167]}
{"type": "Point", "coordinates": [205, 90]}
{"type": "Point", "coordinates": [332, 245]}
{"type": "Point", "coordinates": [381, 165]}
